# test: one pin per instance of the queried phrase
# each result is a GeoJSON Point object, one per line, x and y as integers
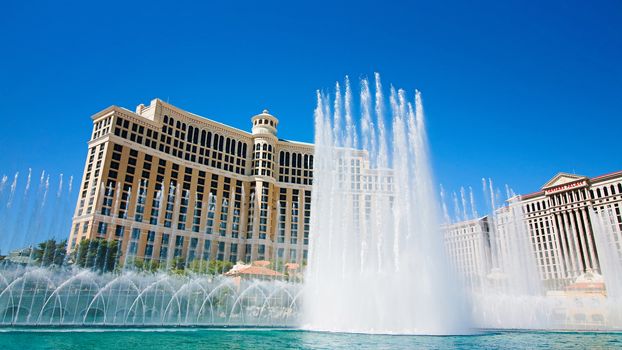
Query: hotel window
{"type": "Point", "coordinates": [168, 214]}
{"type": "Point", "coordinates": [102, 228]}
{"type": "Point", "coordinates": [247, 253]}
{"type": "Point", "coordinates": [183, 211]}
{"type": "Point", "coordinates": [261, 252]}
{"type": "Point", "coordinates": [263, 212]}
{"type": "Point", "coordinates": [235, 226]}
{"type": "Point", "coordinates": [164, 253]}
{"type": "Point", "coordinates": [119, 230]}
{"type": "Point", "coordinates": [251, 214]}
{"type": "Point", "coordinates": [155, 207]}
{"type": "Point", "coordinates": [282, 217]}
{"type": "Point", "coordinates": [294, 219]}
{"type": "Point", "coordinates": [224, 214]}
{"type": "Point", "coordinates": [133, 246]}
{"type": "Point", "coordinates": [233, 256]}
{"type": "Point", "coordinates": [193, 248]}
{"type": "Point", "coordinates": [196, 219]}
{"type": "Point", "coordinates": [179, 245]}
{"type": "Point", "coordinates": [211, 211]}
{"type": "Point", "coordinates": [221, 251]}
{"type": "Point", "coordinates": [140, 202]}
{"type": "Point", "coordinates": [207, 246]}
{"type": "Point", "coordinates": [292, 255]}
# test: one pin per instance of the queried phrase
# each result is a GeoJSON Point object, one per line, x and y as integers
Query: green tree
{"type": "Point", "coordinates": [50, 252]}
{"type": "Point", "coordinates": [97, 254]}
{"type": "Point", "coordinates": [217, 267]}
{"type": "Point", "coordinates": [198, 266]}
{"type": "Point", "coordinates": [141, 264]}
{"type": "Point", "coordinates": [178, 264]}
{"type": "Point", "coordinates": [211, 267]}
{"type": "Point", "coordinates": [152, 266]}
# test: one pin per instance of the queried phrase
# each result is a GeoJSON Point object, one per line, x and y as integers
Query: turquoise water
{"type": "Point", "coordinates": [126, 339]}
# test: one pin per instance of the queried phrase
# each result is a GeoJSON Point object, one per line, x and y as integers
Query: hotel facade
{"type": "Point", "coordinates": [169, 184]}
{"type": "Point", "coordinates": [561, 221]}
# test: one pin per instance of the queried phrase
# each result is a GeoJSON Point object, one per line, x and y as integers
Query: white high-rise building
{"type": "Point", "coordinates": [559, 221]}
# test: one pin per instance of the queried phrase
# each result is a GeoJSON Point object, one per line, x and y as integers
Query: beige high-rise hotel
{"type": "Point", "coordinates": [168, 183]}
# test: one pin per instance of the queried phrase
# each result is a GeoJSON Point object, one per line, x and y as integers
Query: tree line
{"type": "Point", "coordinates": [104, 256]}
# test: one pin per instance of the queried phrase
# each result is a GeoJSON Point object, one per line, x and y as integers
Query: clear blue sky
{"type": "Point", "coordinates": [513, 90]}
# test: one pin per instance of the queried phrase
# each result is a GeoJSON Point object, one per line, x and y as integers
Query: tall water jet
{"type": "Point", "coordinates": [376, 259]}
{"type": "Point", "coordinates": [608, 239]}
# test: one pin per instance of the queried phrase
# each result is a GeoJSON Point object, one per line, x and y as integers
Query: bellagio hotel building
{"type": "Point", "coordinates": [168, 184]}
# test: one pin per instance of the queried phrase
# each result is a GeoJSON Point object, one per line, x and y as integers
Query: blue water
{"type": "Point", "coordinates": [126, 339]}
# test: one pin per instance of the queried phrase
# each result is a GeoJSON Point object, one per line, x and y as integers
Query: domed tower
{"type": "Point", "coordinates": [264, 141]}
{"type": "Point", "coordinates": [261, 194]}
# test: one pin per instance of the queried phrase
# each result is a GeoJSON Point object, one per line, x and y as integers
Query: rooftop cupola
{"type": "Point", "coordinates": [264, 123]}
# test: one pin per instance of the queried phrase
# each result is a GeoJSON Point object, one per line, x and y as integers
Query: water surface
{"type": "Point", "coordinates": [195, 338]}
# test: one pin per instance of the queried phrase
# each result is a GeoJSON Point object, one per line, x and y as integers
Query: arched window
{"type": "Point", "coordinates": [598, 193]}
{"type": "Point", "coordinates": [215, 144]}
{"type": "Point", "coordinates": [189, 136]}
{"type": "Point", "coordinates": [239, 148]}
{"type": "Point", "coordinates": [165, 120]}
{"type": "Point", "coordinates": [311, 162]}
{"type": "Point", "coordinates": [619, 188]}
{"type": "Point", "coordinates": [183, 126]}
{"type": "Point", "coordinates": [220, 143]}
{"type": "Point", "coordinates": [195, 137]}
{"type": "Point", "coordinates": [294, 158]}
{"type": "Point", "coordinates": [244, 150]}
{"type": "Point", "coordinates": [269, 148]}
{"type": "Point", "coordinates": [286, 158]}
{"type": "Point", "coordinates": [538, 205]}
{"type": "Point", "coordinates": [171, 121]}
{"type": "Point", "coordinates": [299, 160]}
{"type": "Point", "coordinates": [306, 161]}
{"type": "Point", "coordinates": [265, 146]}
{"type": "Point", "coordinates": [178, 124]}
{"type": "Point", "coordinates": [203, 134]}
{"type": "Point", "coordinates": [208, 141]}
{"type": "Point", "coordinates": [613, 190]}
{"type": "Point", "coordinates": [228, 145]}
{"type": "Point", "coordinates": [233, 147]}
{"type": "Point", "coordinates": [281, 158]}
{"type": "Point", "coordinates": [606, 191]}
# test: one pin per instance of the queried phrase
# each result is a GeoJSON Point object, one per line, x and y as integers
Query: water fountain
{"type": "Point", "coordinates": [45, 286]}
{"type": "Point", "coordinates": [377, 263]}
{"type": "Point", "coordinates": [43, 297]}
{"type": "Point", "coordinates": [377, 260]}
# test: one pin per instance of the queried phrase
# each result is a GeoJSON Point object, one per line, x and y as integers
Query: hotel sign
{"type": "Point", "coordinates": [565, 187]}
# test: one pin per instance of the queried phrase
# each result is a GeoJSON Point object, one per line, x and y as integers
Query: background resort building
{"type": "Point", "coordinates": [468, 245]}
{"type": "Point", "coordinates": [170, 184]}
{"type": "Point", "coordinates": [559, 225]}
